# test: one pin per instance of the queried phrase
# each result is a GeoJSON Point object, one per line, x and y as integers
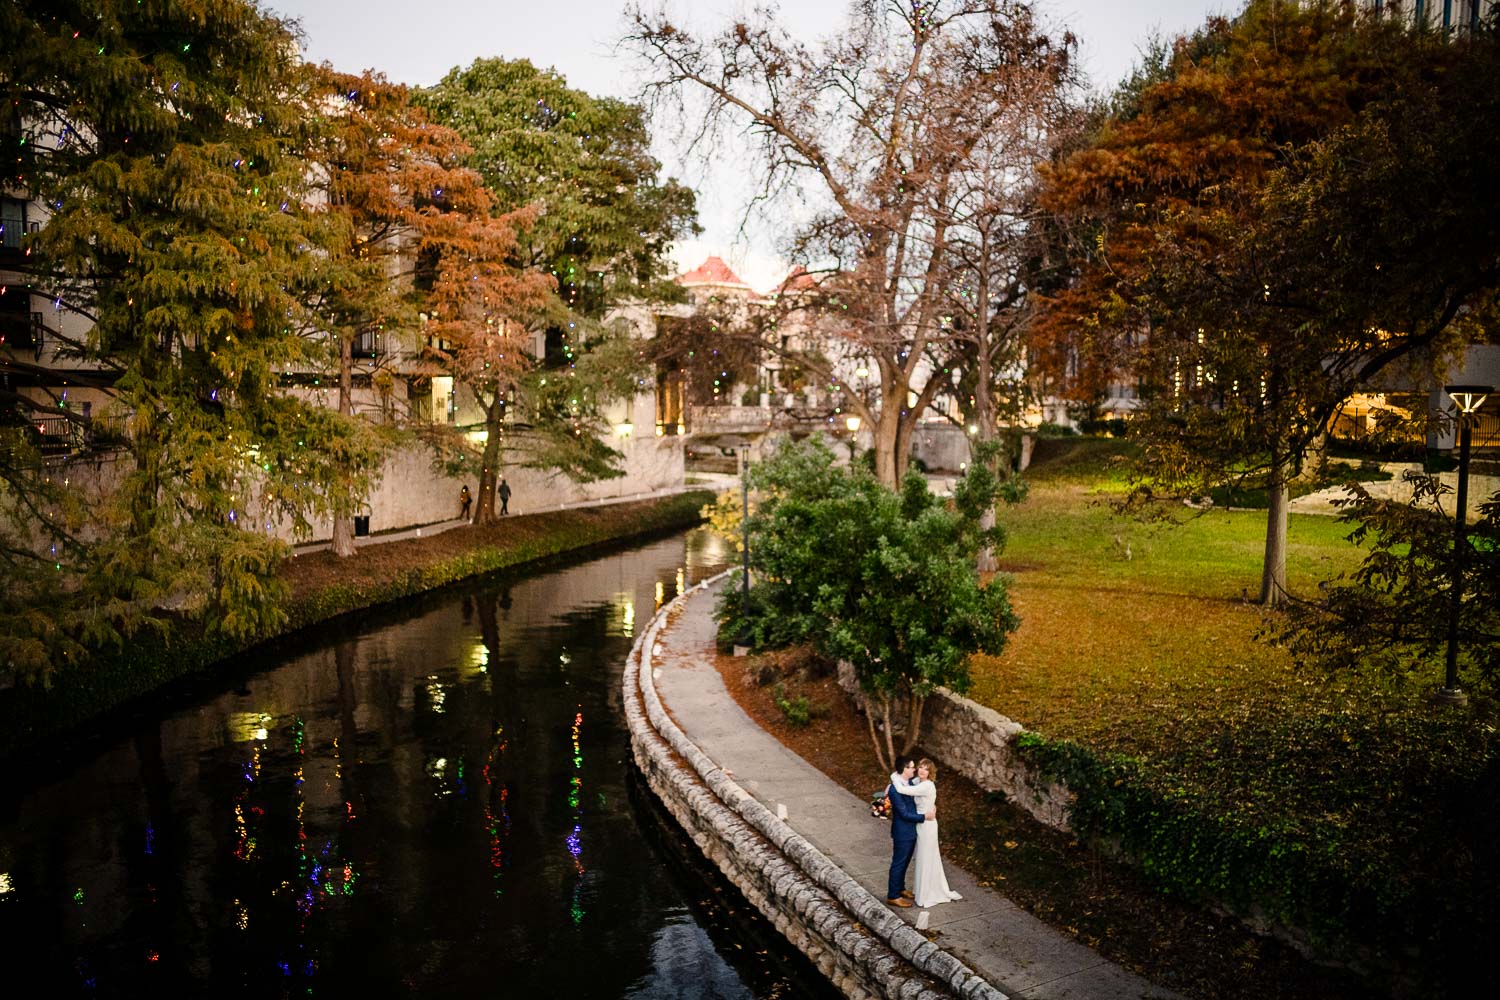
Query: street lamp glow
{"type": "Point", "coordinates": [852, 423]}
{"type": "Point", "coordinates": [1468, 398]}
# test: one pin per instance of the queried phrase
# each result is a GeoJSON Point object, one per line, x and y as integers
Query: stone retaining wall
{"type": "Point", "coordinates": [857, 942]}
{"type": "Point", "coordinates": [976, 742]}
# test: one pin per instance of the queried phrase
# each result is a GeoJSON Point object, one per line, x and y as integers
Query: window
{"type": "Point", "coordinates": [669, 402]}
{"type": "Point", "coordinates": [366, 344]}
{"type": "Point", "coordinates": [12, 223]}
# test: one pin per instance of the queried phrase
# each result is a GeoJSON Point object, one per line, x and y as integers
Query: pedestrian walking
{"type": "Point", "coordinates": [504, 493]}
{"type": "Point", "coordinates": [465, 500]}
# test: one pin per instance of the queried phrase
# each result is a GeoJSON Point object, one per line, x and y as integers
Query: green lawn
{"type": "Point", "coordinates": [1153, 660]}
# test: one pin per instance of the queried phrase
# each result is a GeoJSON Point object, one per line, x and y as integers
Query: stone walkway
{"type": "Point", "coordinates": [1014, 951]}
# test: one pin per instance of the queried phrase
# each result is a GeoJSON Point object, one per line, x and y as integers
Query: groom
{"type": "Point", "coordinates": [904, 820]}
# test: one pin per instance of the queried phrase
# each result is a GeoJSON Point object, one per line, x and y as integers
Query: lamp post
{"type": "Point", "coordinates": [852, 423]}
{"type": "Point", "coordinates": [742, 644]}
{"type": "Point", "coordinates": [1468, 398]}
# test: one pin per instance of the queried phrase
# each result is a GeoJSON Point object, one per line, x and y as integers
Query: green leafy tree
{"type": "Point", "coordinates": [1390, 617]}
{"type": "Point", "coordinates": [602, 227]}
{"type": "Point", "coordinates": [160, 138]}
{"type": "Point", "coordinates": [882, 579]}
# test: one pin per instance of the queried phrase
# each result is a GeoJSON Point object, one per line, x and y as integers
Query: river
{"type": "Point", "coordinates": [428, 800]}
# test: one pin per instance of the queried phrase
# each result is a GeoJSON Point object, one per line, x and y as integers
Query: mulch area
{"type": "Point", "coordinates": [1102, 904]}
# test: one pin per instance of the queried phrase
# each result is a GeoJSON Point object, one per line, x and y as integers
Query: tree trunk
{"type": "Point", "coordinates": [875, 737]}
{"type": "Point", "coordinates": [890, 736]}
{"type": "Point", "coordinates": [888, 469]}
{"type": "Point", "coordinates": [343, 518]}
{"type": "Point", "coordinates": [914, 727]}
{"type": "Point", "coordinates": [987, 561]}
{"type": "Point", "coordinates": [984, 432]}
{"type": "Point", "coordinates": [1273, 569]}
{"type": "Point", "coordinates": [489, 471]}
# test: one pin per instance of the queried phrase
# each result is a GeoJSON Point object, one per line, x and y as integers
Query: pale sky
{"type": "Point", "coordinates": [417, 43]}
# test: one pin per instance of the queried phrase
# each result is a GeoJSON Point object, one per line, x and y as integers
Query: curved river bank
{"type": "Point", "coordinates": [435, 800]}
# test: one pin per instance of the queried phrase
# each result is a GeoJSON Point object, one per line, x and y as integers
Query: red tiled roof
{"type": "Point", "coordinates": [798, 280]}
{"type": "Point", "coordinates": [711, 272]}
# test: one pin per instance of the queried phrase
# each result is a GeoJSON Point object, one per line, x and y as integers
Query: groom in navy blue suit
{"type": "Point", "coordinates": [904, 820]}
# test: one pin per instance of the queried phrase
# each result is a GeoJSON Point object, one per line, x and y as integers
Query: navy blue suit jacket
{"type": "Point", "coordinates": [904, 816]}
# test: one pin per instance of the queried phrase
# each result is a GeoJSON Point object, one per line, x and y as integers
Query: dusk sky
{"type": "Point", "coordinates": [418, 43]}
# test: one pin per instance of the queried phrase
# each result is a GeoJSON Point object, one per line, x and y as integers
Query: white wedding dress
{"type": "Point", "coordinates": [929, 883]}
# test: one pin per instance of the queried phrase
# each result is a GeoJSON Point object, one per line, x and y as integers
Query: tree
{"type": "Point", "coordinates": [602, 227]}
{"type": "Point", "coordinates": [884, 119]}
{"type": "Point", "coordinates": [160, 138]}
{"type": "Point", "coordinates": [374, 161]}
{"type": "Point", "coordinates": [481, 306]}
{"type": "Point", "coordinates": [998, 256]}
{"type": "Point", "coordinates": [1240, 259]}
{"type": "Point", "coordinates": [1391, 615]}
{"type": "Point", "coordinates": [882, 579]}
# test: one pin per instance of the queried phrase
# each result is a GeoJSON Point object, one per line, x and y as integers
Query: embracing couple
{"type": "Point", "coordinates": [913, 795]}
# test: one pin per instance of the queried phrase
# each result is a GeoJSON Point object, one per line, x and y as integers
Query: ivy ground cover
{"type": "Point", "coordinates": [1348, 808]}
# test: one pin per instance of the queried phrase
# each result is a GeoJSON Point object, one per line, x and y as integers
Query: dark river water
{"type": "Point", "coordinates": [433, 800]}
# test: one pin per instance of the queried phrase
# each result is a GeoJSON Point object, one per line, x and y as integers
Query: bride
{"type": "Point", "coordinates": [929, 884]}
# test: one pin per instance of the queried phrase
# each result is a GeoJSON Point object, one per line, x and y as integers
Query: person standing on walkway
{"type": "Point", "coordinates": [904, 821]}
{"type": "Point", "coordinates": [929, 881]}
{"type": "Point", "coordinates": [464, 501]}
{"type": "Point", "coordinates": [504, 494]}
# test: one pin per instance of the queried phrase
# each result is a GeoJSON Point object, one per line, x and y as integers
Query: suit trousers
{"type": "Point", "coordinates": [901, 852]}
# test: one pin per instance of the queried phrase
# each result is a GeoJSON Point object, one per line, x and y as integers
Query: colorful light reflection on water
{"type": "Point", "coordinates": [428, 802]}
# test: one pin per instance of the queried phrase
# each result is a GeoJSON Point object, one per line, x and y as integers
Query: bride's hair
{"type": "Point", "coordinates": [931, 768]}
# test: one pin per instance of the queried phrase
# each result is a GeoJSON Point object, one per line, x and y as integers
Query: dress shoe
{"type": "Point", "coordinates": [907, 894]}
{"type": "Point", "coordinates": [898, 901]}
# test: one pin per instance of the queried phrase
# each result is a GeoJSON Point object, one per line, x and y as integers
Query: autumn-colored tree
{"type": "Point", "coordinates": [480, 309]}
{"type": "Point", "coordinates": [885, 120]}
{"type": "Point", "coordinates": [160, 140]}
{"type": "Point", "coordinates": [602, 226]}
{"type": "Point", "coordinates": [1268, 227]}
{"type": "Point", "coordinates": [373, 160]}
{"type": "Point", "coordinates": [708, 349]}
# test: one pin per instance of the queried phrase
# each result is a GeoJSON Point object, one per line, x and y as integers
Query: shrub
{"type": "Point", "coordinates": [882, 579]}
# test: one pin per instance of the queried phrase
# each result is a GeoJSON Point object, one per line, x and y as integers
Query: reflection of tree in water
{"type": "Point", "coordinates": [377, 867]}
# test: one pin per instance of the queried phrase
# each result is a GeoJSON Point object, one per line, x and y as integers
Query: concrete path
{"type": "Point", "coordinates": [1017, 953]}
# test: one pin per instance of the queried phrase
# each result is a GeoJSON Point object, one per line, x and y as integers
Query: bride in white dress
{"type": "Point", "coordinates": [929, 883]}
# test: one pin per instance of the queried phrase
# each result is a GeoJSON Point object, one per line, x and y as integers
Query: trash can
{"type": "Point", "coordinates": [361, 525]}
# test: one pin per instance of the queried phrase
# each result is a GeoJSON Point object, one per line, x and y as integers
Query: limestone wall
{"type": "Point", "coordinates": [859, 944]}
{"type": "Point", "coordinates": [976, 742]}
{"type": "Point", "coordinates": [412, 494]}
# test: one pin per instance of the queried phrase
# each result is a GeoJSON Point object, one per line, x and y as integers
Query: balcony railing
{"type": "Point", "coordinates": [60, 437]}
